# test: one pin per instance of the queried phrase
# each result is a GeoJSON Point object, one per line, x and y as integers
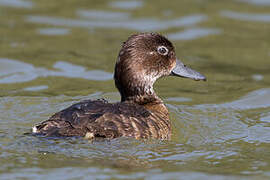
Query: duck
{"type": "Point", "coordinates": [141, 114]}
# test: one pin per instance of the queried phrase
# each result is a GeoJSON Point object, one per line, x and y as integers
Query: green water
{"type": "Point", "coordinates": [55, 53]}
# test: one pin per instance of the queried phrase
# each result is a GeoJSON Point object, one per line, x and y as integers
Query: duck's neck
{"type": "Point", "coordinates": [145, 96]}
{"type": "Point", "coordinates": [138, 88]}
{"type": "Point", "coordinates": [143, 99]}
{"type": "Point", "coordinates": [138, 91]}
{"type": "Point", "coordinates": [151, 102]}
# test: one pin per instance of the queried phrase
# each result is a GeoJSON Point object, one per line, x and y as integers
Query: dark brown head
{"type": "Point", "coordinates": [143, 59]}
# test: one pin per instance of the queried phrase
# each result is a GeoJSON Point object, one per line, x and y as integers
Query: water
{"type": "Point", "coordinates": [56, 53]}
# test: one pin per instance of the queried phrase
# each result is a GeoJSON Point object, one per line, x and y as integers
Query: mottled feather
{"type": "Point", "coordinates": [103, 119]}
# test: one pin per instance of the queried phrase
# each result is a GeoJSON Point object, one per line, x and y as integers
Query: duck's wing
{"type": "Point", "coordinates": [97, 119]}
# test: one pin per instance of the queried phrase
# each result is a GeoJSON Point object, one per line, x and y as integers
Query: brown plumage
{"type": "Point", "coordinates": [142, 59]}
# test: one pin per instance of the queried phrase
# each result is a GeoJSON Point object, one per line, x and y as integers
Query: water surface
{"type": "Point", "coordinates": [56, 53]}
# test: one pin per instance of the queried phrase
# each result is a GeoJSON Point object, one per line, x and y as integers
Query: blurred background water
{"type": "Point", "coordinates": [55, 53]}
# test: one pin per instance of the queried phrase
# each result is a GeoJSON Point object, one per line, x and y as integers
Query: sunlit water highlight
{"type": "Point", "coordinates": [257, 2]}
{"type": "Point", "coordinates": [53, 31]}
{"type": "Point", "coordinates": [202, 135]}
{"type": "Point", "coordinates": [193, 33]}
{"type": "Point", "coordinates": [246, 16]}
{"type": "Point", "coordinates": [126, 4]}
{"type": "Point", "coordinates": [17, 3]}
{"type": "Point", "coordinates": [134, 24]}
{"type": "Point", "coordinates": [13, 71]}
{"type": "Point", "coordinates": [103, 15]}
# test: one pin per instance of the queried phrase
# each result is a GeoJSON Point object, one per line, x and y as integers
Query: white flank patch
{"type": "Point", "coordinates": [34, 129]}
{"type": "Point", "coordinates": [89, 135]}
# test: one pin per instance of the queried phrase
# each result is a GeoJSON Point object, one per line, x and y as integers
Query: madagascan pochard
{"type": "Point", "coordinates": [143, 59]}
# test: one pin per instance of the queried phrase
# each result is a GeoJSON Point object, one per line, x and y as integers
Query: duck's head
{"type": "Point", "coordinates": [143, 59]}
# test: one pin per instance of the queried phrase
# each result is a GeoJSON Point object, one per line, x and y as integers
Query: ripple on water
{"type": "Point", "coordinates": [179, 99]}
{"type": "Point", "coordinates": [53, 31]}
{"type": "Point", "coordinates": [145, 24]}
{"type": "Point", "coordinates": [16, 3]}
{"type": "Point", "coordinates": [36, 88]}
{"type": "Point", "coordinates": [257, 77]}
{"type": "Point", "coordinates": [13, 71]}
{"type": "Point", "coordinates": [211, 123]}
{"type": "Point", "coordinates": [265, 118]}
{"type": "Point", "coordinates": [257, 2]}
{"type": "Point", "coordinates": [126, 4]}
{"type": "Point", "coordinates": [193, 33]}
{"type": "Point", "coordinates": [103, 15]}
{"type": "Point", "coordinates": [106, 173]}
{"type": "Point", "coordinates": [246, 16]}
{"type": "Point", "coordinates": [218, 123]}
{"type": "Point", "coordinates": [253, 100]}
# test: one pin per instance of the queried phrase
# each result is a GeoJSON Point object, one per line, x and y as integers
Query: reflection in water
{"type": "Point", "coordinates": [16, 44]}
{"type": "Point", "coordinates": [179, 99]}
{"type": "Point", "coordinates": [135, 24]}
{"type": "Point", "coordinates": [100, 173]}
{"type": "Point", "coordinates": [257, 77]}
{"type": "Point", "coordinates": [126, 4]}
{"type": "Point", "coordinates": [36, 88]}
{"type": "Point", "coordinates": [257, 2]}
{"type": "Point", "coordinates": [109, 15]}
{"type": "Point", "coordinates": [228, 139]}
{"type": "Point", "coordinates": [265, 118]}
{"type": "Point", "coordinates": [13, 71]}
{"type": "Point", "coordinates": [17, 3]}
{"type": "Point", "coordinates": [218, 123]}
{"type": "Point", "coordinates": [193, 33]}
{"type": "Point", "coordinates": [246, 16]}
{"type": "Point", "coordinates": [253, 100]}
{"type": "Point", "coordinates": [216, 137]}
{"type": "Point", "coordinates": [53, 31]}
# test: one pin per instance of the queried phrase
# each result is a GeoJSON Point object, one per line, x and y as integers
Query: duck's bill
{"type": "Point", "coordinates": [183, 71]}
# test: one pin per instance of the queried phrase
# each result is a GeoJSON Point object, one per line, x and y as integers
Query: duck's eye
{"type": "Point", "coordinates": [162, 50]}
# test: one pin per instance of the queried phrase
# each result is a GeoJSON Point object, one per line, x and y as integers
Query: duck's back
{"type": "Point", "coordinates": [99, 118]}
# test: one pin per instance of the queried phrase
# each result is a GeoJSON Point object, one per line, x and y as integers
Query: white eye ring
{"type": "Point", "coordinates": [162, 50]}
